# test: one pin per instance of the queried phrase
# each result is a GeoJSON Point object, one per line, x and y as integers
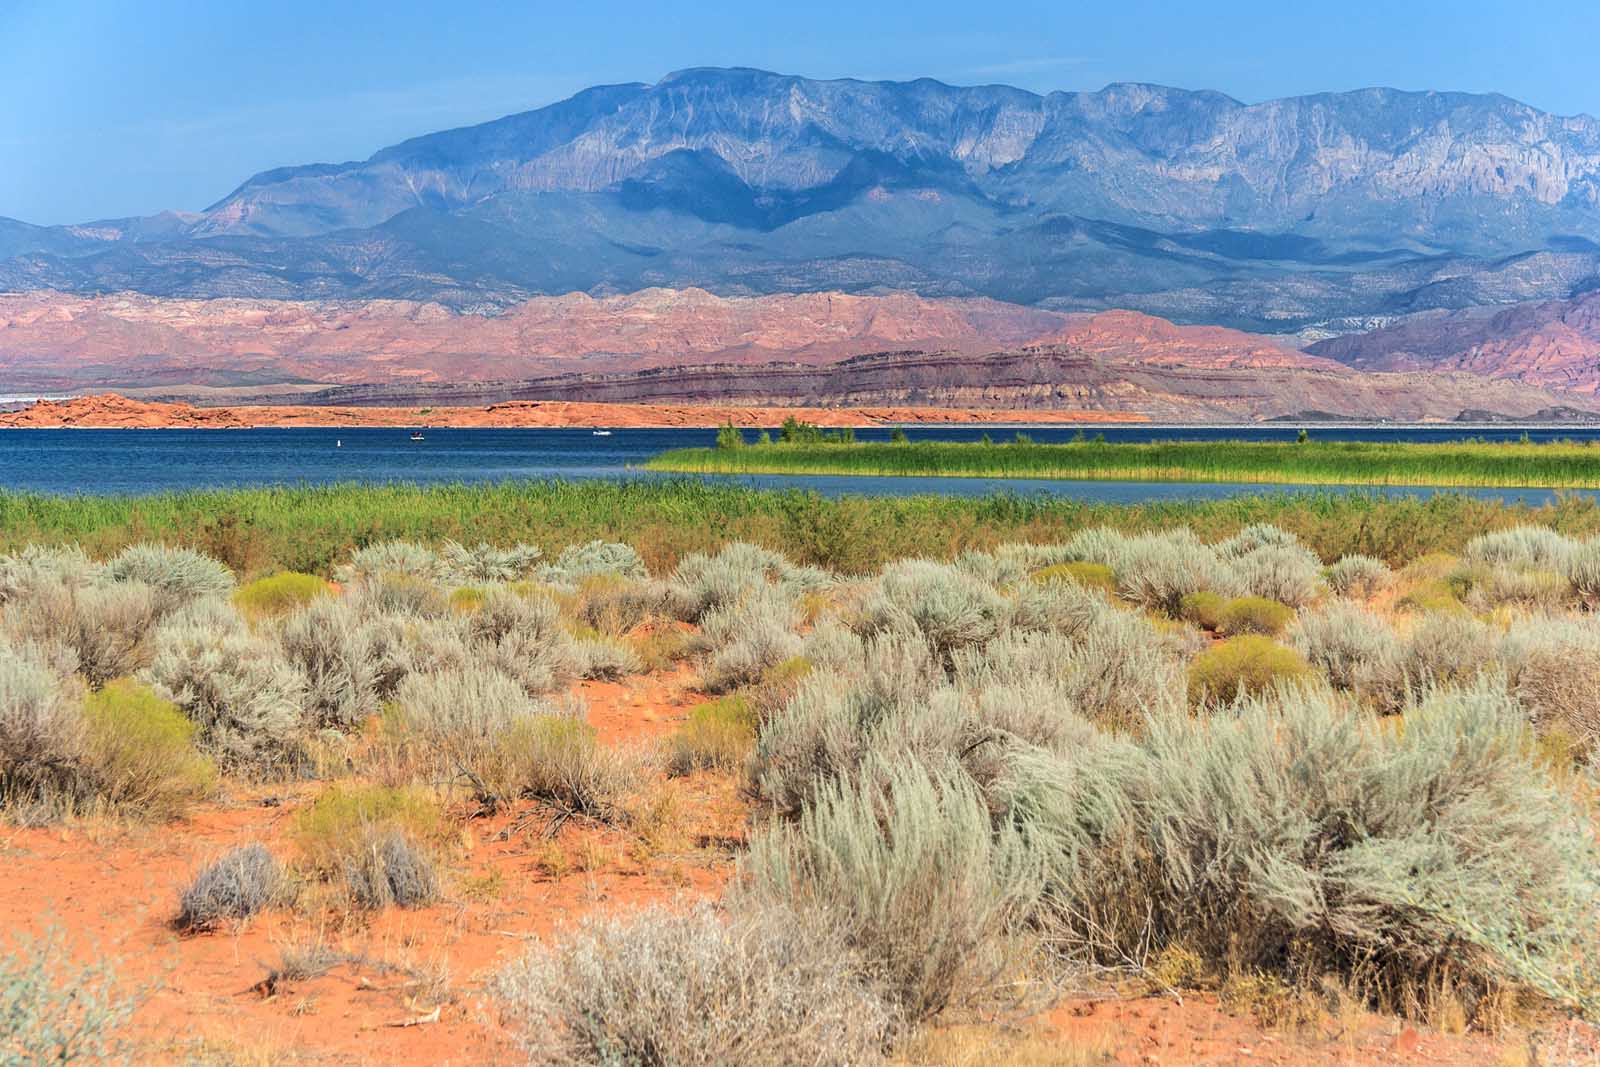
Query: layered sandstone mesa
{"type": "Point", "coordinates": [110, 411]}
{"type": "Point", "coordinates": [60, 341]}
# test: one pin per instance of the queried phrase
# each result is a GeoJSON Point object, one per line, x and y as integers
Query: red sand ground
{"type": "Point", "coordinates": [112, 892]}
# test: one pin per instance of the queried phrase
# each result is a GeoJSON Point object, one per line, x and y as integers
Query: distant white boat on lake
{"type": "Point", "coordinates": [602, 433]}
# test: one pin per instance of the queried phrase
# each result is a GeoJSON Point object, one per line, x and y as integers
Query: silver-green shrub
{"type": "Point", "coordinates": [247, 701]}
{"type": "Point", "coordinates": [233, 887]}
{"type": "Point", "coordinates": [679, 987]}
{"type": "Point", "coordinates": [460, 565]}
{"type": "Point", "coordinates": [178, 576]}
{"type": "Point", "coordinates": [351, 663]}
{"type": "Point", "coordinates": [946, 608]}
{"type": "Point", "coordinates": [577, 562]}
{"type": "Point", "coordinates": [905, 863]}
{"type": "Point", "coordinates": [1356, 575]}
{"type": "Point", "coordinates": [42, 731]}
{"type": "Point", "coordinates": [392, 558]}
{"type": "Point", "coordinates": [1353, 648]}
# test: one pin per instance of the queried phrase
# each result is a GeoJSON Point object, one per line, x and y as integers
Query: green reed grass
{"type": "Point", "coordinates": [309, 529]}
{"type": "Point", "coordinates": [1559, 465]}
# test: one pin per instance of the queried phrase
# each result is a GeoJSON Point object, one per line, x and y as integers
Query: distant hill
{"type": "Point", "coordinates": [1553, 343]}
{"type": "Point", "coordinates": [1323, 213]}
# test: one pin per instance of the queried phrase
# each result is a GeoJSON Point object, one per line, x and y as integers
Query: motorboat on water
{"type": "Point", "coordinates": [416, 435]}
{"type": "Point", "coordinates": [602, 433]}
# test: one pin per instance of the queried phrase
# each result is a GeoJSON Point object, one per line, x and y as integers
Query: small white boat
{"type": "Point", "coordinates": [416, 435]}
{"type": "Point", "coordinates": [602, 433]}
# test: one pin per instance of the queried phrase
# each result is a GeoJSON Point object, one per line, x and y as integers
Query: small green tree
{"type": "Point", "coordinates": [897, 436]}
{"type": "Point", "coordinates": [729, 436]}
{"type": "Point", "coordinates": [1302, 438]}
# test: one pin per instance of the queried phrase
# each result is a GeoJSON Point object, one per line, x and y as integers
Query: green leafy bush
{"type": "Point", "coordinates": [1254, 615]}
{"type": "Point", "coordinates": [1203, 609]}
{"type": "Point", "coordinates": [139, 752]}
{"type": "Point", "coordinates": [1241, 666]}
{"type": "Point", "coordinates": [718, 735]}
{"type": "Point", "coordinates": [280, 593]}
{"type": "Point", "coordinates": [1091, 575]}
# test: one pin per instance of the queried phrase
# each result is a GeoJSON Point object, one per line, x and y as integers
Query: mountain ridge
{"type": "Point", "coordinates": [1277, 216]}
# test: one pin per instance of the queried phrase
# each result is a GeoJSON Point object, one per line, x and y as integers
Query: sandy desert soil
{"type": "Point", "coordinates": [370, 996]}
{"type": "Point", "coordinates": [110, 411]}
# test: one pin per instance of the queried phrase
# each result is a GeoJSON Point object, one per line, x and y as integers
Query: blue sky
{"type": "Point", "coordinates": [111, 109]}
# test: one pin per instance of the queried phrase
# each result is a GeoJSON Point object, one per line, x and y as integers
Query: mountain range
{"type": "Point", "coordinates": [1388, 230]}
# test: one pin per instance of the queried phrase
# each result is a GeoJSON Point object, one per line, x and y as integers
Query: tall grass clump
{"type": "Point", "coordinates": [1556, 464]}
{"type": "Point", "coordinates": [905, 863]}
{"type": "Point", "coordinates": [660, 986]}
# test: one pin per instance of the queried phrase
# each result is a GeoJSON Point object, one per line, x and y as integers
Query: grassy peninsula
{"type": "Point", "coordinates": [1557, 465]}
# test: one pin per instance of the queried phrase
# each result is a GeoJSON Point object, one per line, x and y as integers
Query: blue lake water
{"type": "Point", "coordinates": [148, 461]}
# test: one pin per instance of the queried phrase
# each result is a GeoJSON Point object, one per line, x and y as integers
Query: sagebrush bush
{"type": "Point", "coordinates": [107, 627]}
{"type": "Point", "coordinates": [1556, 665]}
{"type": "Point", "coordinates": [614, 605]}
{"type": "Point", "coordinates": [906, 864]}
{"type": "Point", "coordinates": [56, 1011]}
{"type": "Point", "coordinates": [1448, 647]}
{"type": "Point", "coordinates": [749, 638]}
{"type": "Point", "coordinates": [946, 609]}
{"type": "Point", "coordinates": [669, 987]}
{"type": "Point", "coordinates": [1353, 648]}
{"type": "Point", "coordinates": [577, 562]}
{"type": "Point", "coordinates": [396, 594]}
{"type": "Point", "coordinates": [1156, 571]}
{"type": "Point", "coordinates": [1484, 587]}
{"type": "Point", "coordinates": [1532, 547]}
{"type": "Point", "coordinates": [1290, 835]}
{"type": "Point", "coordinates": [703, 583]}
{"type": "Point", "coordinates": [387, 868]}
{"type": "Point", "coordinates": [461, 565]}
{"type": "Point", "coordinates": [605, 658]}
{"type": "Point", "coordinates": [392, 558]}
{"type": "Point", "coordinates": [42, 732]}
{"type": "Point", "coordinates": [1121, 671]}
{"type": "Point", "coordinates": [718, 735]}
{"type": "Point", "coordinates": [41, 567]}
{"type": "Point", "coordinates": [1254, 615]}
{"type": "Point", "coordinates": [1356, 575]}
{"type": "Point", "coordinates": [246, 700]}
{"type": "Point", "coordinates": [178, 576]}
{"type": "Point", "coordinates": [139, 753]}
{"type": "Point", "coordinates": [524, 638]}
{"type": "Point", "coordinates": [1288, 573]}
{"type": "Point", "coordinates": [1062, 607]}
{"type": "Point", "coordinates": [279, 593]}
{"type": "Point", "coordinates": [232, 888]}
{"type": "Point", "coordinates": [1241, 666]}
{"type": "Point", "coordinates": [351, 663]}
